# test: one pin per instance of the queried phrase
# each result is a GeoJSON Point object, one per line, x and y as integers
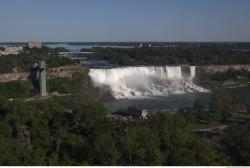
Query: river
{"type": "Point", "coordinates": [164, 88]}
{"type": "Point", "coordinates": [171, 102]}
{"type": "Point", "coordinates": [77, 48]}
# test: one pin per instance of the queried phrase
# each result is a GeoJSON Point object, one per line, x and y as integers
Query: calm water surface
{"type": "Point", "coordinates": [77, 48]}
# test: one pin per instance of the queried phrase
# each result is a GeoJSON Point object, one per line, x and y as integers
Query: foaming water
{"type": "Point", "coordinates": [136, 82]}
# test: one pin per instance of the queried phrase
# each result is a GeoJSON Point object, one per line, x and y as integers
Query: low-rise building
{"type": "Point", "coordinates": [245, 108]}
{"type": "Point", "coordinates": [32, 44]}
{"type": "Point", "coordinates": [13, 50]}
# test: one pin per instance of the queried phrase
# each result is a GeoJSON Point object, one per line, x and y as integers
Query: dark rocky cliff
{"type": "Point", "coordinates": [64, 71]}
{"type": "Point", "coordinates": [67, 71]}
{"type": "Point", "coordinates": [223, 76]}
{"type": "Point", "coordinates": [212, 69]}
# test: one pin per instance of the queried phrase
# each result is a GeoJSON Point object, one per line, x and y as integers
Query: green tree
{"type": "Point", "coordinates": [223, 105]}
{"type": "Point", "coordinates": [104, 150]}
{"type": "Point", "coordinates": [140, 146]}
{"type": "Point", "coordinates": [87, 116]}
{"type": "Point", "coordinates": [200, 112]}
{"type": "Point", "coordinates": [236, 143]}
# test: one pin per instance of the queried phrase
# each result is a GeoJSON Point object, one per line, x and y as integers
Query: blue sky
{"type": "Point", "coordinates": [125, 20]}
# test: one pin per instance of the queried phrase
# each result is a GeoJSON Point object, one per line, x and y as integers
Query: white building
{"type": "Point", "coordinates": [13, 50]}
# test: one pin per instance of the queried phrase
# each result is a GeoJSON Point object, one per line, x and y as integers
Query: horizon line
{"type": "Point", "coordinates": [1, 42]}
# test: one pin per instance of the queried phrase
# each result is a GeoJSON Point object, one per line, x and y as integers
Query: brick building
{"type": "Point", "coordinates": [34, 44]}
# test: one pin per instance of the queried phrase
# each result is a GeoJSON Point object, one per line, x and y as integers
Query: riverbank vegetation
{"type": "Point", "coordinates": [220, 110]}
{"type": "Point", "coordinates": [230, 78]}
{"type": "Point", "coordinates": [23, 61]}
{"type": "Point", "coordinates": [17, 89]}
{"type": "Point", "coordinates": [79, 84]}
{"type": "Point", "coordinates": [45, 132]}
{"type": "Point", "coordinates": [173, 55]}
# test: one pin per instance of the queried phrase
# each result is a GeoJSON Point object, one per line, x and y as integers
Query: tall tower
{"type": "Point", "coordinates": [42, 78]}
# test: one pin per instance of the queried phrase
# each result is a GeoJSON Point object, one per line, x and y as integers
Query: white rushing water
{"type": "Point", "coordinates": [133, 82]}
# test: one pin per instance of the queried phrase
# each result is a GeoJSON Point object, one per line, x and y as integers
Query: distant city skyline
{"type": "Point", "coordinates": [125, 20]}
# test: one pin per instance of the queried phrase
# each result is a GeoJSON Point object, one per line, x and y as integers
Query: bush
{"type": "Point", "coordinates": [16, 89]}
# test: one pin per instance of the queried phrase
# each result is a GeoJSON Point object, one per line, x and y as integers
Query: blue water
{"type": "Point", "coordinates": [160, 103]}
{"type": "Point", "coordinates": [77, 48]}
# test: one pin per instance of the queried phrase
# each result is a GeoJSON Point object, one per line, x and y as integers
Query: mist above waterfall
{"type": "Point", "coordinates": [133, 82]}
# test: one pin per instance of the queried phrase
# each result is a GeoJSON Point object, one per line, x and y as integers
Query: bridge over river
{"type": "Point", "coordinates": [75, 55]}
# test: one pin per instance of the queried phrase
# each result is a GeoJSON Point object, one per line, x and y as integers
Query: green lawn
{"type": "Point", "coordinates": [241, 116]}
{"type": "Point", "coordinates": [200, 125]}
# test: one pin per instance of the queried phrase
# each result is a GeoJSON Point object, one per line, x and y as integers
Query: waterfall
{"type": "Point", "coordinates": [132, 82]}
{"type": "Point", "coordinates": [192, 72]}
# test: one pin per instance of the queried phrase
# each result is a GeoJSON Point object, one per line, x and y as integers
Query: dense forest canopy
{"type": "Point", "coordinates": [45, 133]}
{"type": "Point", "coordinates": [24, 61]}
{"type": "Point", "coordinates": [174, 55]}
{"type": "Point", "coordinates": [79, 84]}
